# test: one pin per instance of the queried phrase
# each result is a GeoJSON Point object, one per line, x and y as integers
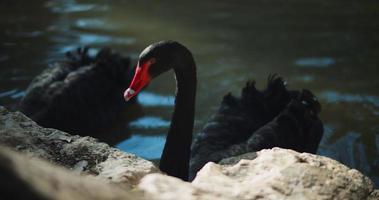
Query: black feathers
{"type": "Point", "coordinates": [274, 117]}
{"type": "Point", "coordinates": [81, 94]}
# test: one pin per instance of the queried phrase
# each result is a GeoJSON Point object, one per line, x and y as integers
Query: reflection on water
{"type": "Point", "coordinates": [350, 147]}
{"type": "Point", "coordinates": [93, 24]}
{"type": "Point", "coordinates": [315, 62]}
{"type": "Point", "coordinates": [149, 122]}
{"type": "Point", "coordinates": [14, 94]}
{"type": "Point", "coordinates": [29, 34]}
{"type": "Point", "coordinates": [70, 6]}
{"type": "Point", "coordinates": [335, 97]}
{"type": "Point", "coordinates": [328, 47]}
{"type": "Point", "coordinates": [86, 39]}
{"type": "Point", "coordinates": [149, 147]}
{"type": "Point", "coordinates": [7, 93]}
{"type": "Point", "coordinates": [151, 99]}
{"type": "Point", "coordinates": [306, 78]}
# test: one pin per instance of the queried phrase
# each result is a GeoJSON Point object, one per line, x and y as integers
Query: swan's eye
{"type": "Point", "coordinates": [151, 61]}
{"type": "Point", "coordinates": [147, 63]}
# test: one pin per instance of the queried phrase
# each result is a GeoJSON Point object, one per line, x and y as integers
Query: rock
{"type": "Point", "coordinates": [35, 179]}
{"type": "Point", "coordinates": [273, 174]}
{"type": "Point", "coordinates": [80, 166]}
{"type": "Point", "coordinates": [374, 195]}
{"type": "Point", "coordinates": [84, 154]}
{"type": "Point", "coordinates": [268, 174]}
{"type": "Point", "coordinates": [284, 174]}
{"type": "Point", "coordinates": [125, 168]}
{"type": "Point", "coordinates": [162, 187]}
{"type": "Point", "coordinates": [236, 159]}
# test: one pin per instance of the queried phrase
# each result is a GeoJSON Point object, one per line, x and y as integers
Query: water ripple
{"type": "Point", "coordinates": [7, 93]}
{"type": "Point", "coordinates": [306, 78]}
{"type": "Point", "coordinates": [149, 122]}
{"type": "Point", "coordinates": [93, 23]}
{"type": "Point", "coordinates": [14, 94]}
{"type": "Point", "coordinates": [334, 97]}
{"type": "Point", "coordinates": [151, 99]}
{"type": "Point", "coordinates": [149, 147]}
{"type": "Point", "coordinates": [72, 7]}
{"type": "Point", "coordinates": [346, 150]}
{"type": "Point", "coordinates": [321, 62]}
{"type": "Point", "coordinates": [99, 39]}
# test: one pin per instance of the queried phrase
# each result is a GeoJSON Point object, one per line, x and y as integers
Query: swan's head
{"type": "Point", "coordinates": [156, 59]}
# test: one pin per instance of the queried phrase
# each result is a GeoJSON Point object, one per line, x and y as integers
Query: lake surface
{"type": "Point", "coordinates": [330, 47]}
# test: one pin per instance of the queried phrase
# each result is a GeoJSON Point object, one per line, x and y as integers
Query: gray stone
{"type": "Point", "coordinates": [273, 174]}
{"type": "Point", "coordinates": [234, 160]}
{"type": "Point", "coordinates": [35, 179]}
{"type": "Point", "coordinates": [374, 195]}
{"type": "Point", "coordinates": [83, 154]}
{"type": "Point", "coordinates": [97, 168]}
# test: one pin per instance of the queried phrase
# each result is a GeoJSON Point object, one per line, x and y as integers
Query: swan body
{"type": "Point", "coordinates": [80, 94]}
{"type": "Point", "coordinates": [274, 117]}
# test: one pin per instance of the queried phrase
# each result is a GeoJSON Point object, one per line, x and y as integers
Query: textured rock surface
{"type": "Point", "coordinates": [162, 187]}
{"type": "Point", "coordinates": [24, 178]}
{"type": "Point", "coordinates": [285, 174]}
{"type": "Point", "coordinates": [273, 174]}
{"type": "Point", "coordinates": [374, 195]}
{"type": "Point", "coordinates": [267, 174]}
{"type": "Point", "coordinates": [82, 154]}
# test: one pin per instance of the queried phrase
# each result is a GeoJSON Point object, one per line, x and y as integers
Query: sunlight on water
{"type": "Point", "coordinates": [335, 97]}
{"type": "Point", "coordinates": [151, 99]}
{"type": "Point", "coordinates": [71, 6]}
{"type": "Point", "coordinates": [315, 62]}
{"type": "Point", "coordinates": [29, 34]}
{"type": "Point", "coordinates": [149, 122]}
{"type": "Point", "coordinates": [18, 95]}
{"type": "Point", "coordinates": [87, 39]}
{"type": "Point", "coordinates": [7, 93]}
{"type": "Point", "coordinates": [91, 23]}
{"type": "Point", "coordinates": [306, 78]}
{"type": "Point", "coordinates": [14, 94]}
{"type": "Point", "coordinates": [149, 147]}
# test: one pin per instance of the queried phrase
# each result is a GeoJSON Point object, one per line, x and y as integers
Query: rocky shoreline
{"type": "Point", "coordinates": [43, 163]}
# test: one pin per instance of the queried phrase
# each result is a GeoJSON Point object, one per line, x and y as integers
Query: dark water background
{"type": "Point", "coordinates": [330, 47]}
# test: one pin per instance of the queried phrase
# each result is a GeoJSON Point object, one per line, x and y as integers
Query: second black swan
{"type": "Point", "coordinates": [80, 94]}
{"type": "Point", "coordinates": [273, 117]}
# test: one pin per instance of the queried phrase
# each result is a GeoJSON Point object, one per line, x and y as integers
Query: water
{"type": "Point", "coordinates": [330, 47]}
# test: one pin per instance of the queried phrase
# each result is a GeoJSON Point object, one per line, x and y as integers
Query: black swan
{"type": "Point", "coordinates": [79, 93]}
{"type": "Point", "coordinates": [274, 117]}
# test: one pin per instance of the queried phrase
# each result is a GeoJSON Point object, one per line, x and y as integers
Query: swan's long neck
{"type": "Point", "coordinates": [176, 152]}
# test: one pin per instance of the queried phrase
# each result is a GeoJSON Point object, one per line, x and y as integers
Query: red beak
{"type": "Point", "coordinates": [140, 80]}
